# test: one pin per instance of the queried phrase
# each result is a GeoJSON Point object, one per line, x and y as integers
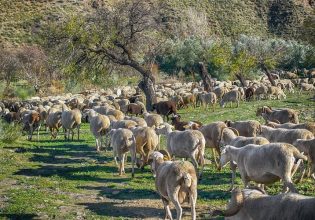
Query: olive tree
{"type": "Point", "coordinates": [123, 34]}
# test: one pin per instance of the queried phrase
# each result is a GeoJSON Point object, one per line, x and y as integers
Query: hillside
{"type": "Point", "coordinates": [19, 18]}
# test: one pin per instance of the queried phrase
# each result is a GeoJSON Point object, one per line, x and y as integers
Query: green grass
{"type": "Point", "coordinates": [69, 180]}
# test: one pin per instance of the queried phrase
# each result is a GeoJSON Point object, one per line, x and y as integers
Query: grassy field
{"type": "Point", "coordinates": [70, 180]}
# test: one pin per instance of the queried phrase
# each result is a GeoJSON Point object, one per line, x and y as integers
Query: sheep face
{"type": "Point", "coordinates": [225, 157]}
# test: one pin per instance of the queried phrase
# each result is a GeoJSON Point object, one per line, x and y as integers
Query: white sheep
{"type": "Point", "coordinates": [122, 141]}
{"type": "Point", "coordinates": [99, 126]}
{"type": "Point", "coordinates": [70, 119]}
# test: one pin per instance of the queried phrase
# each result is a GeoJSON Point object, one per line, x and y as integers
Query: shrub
{"type": "Point", "coordinates": [9, 133]}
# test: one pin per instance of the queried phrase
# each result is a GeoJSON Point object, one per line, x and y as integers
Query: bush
{"type": "Point", "coordinates": [9, 133]}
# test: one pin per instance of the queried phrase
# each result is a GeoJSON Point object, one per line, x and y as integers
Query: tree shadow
{"type": "Point", "coordinates": [123, 194]}
{"type": "Point", "coordinates": [72, 173]}
{"type": "Point", "coordinates": [18, 216]}
{"type": "Point", "coordinates": [214, 194]}
{"type": "Point", "coordinates": [111, 210]}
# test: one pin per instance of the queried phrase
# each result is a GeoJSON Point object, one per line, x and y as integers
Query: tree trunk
{"type": "Point", "coordinates": [147, 86]}
{"type": "Point", "coordinates": [240, 77]}
{"type": "Point", "coordinates": [268, 75]}
{"type": "Point", "coordinates": [206, 78]}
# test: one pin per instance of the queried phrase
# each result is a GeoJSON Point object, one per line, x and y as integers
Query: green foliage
{"type": "Point", "coordinates": [9, 133]}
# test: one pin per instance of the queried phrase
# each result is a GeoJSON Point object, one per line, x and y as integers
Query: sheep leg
{"type": "Point", "coordinates": [202, 164]}
{"type": "Point", "coordinates": [167, 209]}
{"type": "Point", "coordinates": [97, 144]}
{"type": "Point", "coordinates": [193, 201]}
{"type": "Point", "coordinates": [174, 198]}
{"type": "Point", "coordinates": [78, 127]}
{"type": "Point", "coordinates": [123, 162]}
{"type": "Point", "coordinates": [233, 169]}
{"type": "Point", "coordinates": [194, 162]}
{"type": "Point", "coordinates": [30, 134]}
{"type": "Point", "coordinates": [133, 160]}
{"type": "Point", "coordinates": [38, 132]}
{"type": "Point", "coordinates": [214, 157]}
{"type": "Point", "coordinates": [72, 134]}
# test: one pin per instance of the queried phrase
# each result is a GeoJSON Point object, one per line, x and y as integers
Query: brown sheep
{"type": "Point", "coordinates": [165, 108]}
{"type": "Point", "coordinates": [135, 109]}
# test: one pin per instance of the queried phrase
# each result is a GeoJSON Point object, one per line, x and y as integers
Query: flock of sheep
{"type": "Point", "coordinates": [263, 154]}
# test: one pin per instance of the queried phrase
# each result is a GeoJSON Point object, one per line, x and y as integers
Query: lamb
{"type": "Point", "coordinates": [308, 126]}
{"type": "Point", "coordinates": [122, 141]}
{"type": "Point", "coordinates": [245, 128]}
{"type": "Point", "coordinates": [264, 164]}
{"type": "Point", "coordinates": [280, 115]}
{"type": "Point", "coordinates": [229, 137]}
{"type": "Point", "coordinates": [208, 98]}
{"type": "Point", "coordinates": [53, 122]}
{"type": "Point", "coordinates": [153, 119]}
{"type": "Point", "coordinates": [165, 108]}
{"type": "Point", "coordinates": [308, 147]}
{"type": "Point", "coordinates": [176, 182]}
{"type": "Point", "coordinates": [285, 135]}
{"type": "Point", "coordinates": [261, 92]}
{"type": "Point", "coordinates": [99, 126]}
{"type": "Point", "coordinates": [70, 119]}
{"type": "Point", "coordinates": [186, 144]}
{"type": "Point", "coordinates": [212, 133]}
{"type": "Point", "coordinates": [231, 96]}
{"type": "Point", "coordinates": [146, 142]}
{"type": "Point", "coordinates": [248, 203]}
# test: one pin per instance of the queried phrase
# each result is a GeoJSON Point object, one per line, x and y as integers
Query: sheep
{"type": "Point", "coordinates": [31, 122]}
{"type": "Point", "coordinates": [255, 204]}
{"type": "Point", "coordinates": [135, 109]}
{"type": "Point", "coordinates": [306, 87]}
{"type": "Point", "coordinates": [212, 133]}
{"type": "Point", "coordinates": [140, 121]}
{"type": "Point", "coordinates": [123, 124]}
{"type": "Point", "coordinates": [176, 182]}
{"type": "Point", "coordinates": [245, 128]}
{"type": "Point", "coordinates": [183, 125]}
{"type": "Point", "coordinates": [285, 135]}
{"type": "Point", "coordinates": [276, 91]}
{"type": "Point", "coordinates": [231, 96]}
{"type": "Point", "coordinates": [10, 117]}
{"type": "Point", "coordinates": [208, 98]}
{"type": "Point", "coordinates": [153, 119]}
{"type": "Point", "coordinates": [99, 126]}
{"type": "Point", "coordinates": [280, 115]}
{"type": "Point", "coordinates": [185, 144]}
{"type": "Point", "coordinates": [308, 126]}
{"type": "Point", "coordinates": [123, 105]}
{"type": "Point", "coordinates": [70, 119]}
{"type": "Point", "coordinates": [165, 108]}
{"type": "Point", "coordinates": [261, 92]}
{"type": "Point", "coordinates": [220, 91]}
{"type": "Point", "coordinates": [122, 141]}
{"type": "Point", "coordinates": [53, 122]}
{"type": "Point", "coordinates": [178, 100]}
{"type": "Point", "coordinates": [229, 137]}
{"type": "Point", "coordinates": [264, 164]}
{"type": "Point", "coordinates": [116, 113]}
{"type": "Point", "coordinates": [189, 99]}
{"type": "Point", "coordinates": [308, 147]}
{"type": "Point", "coordinates": [146, 142]}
